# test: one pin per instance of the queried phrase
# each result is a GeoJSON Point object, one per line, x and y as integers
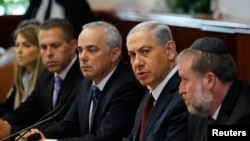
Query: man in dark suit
{"type": "Point", "coordinates": [210, 87]}
{"type": "Point", "coordinates": [100, 50]}
{"type": "Point", "coordinates": [77, 12]}
{"type": "Point", "coordinates": [152, 53]}
{"type": "Point", "coordinates": [58, 50]}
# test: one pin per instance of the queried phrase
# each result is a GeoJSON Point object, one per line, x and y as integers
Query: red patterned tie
{"type": "Point", "coordinates": [146, 112]}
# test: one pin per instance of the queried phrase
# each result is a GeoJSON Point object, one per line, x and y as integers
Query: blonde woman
{"type": "Point", "coordinates": [28, 66]}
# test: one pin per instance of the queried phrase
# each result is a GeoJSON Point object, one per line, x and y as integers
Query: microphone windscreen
{"type": "Point", "coordinates": [34, 137]}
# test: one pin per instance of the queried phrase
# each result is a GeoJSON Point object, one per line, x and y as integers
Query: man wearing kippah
{"type": "Point", "coordinates": [212, 92]}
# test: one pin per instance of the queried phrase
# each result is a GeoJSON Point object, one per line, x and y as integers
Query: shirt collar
{"type": "Point", "coordinates": [102, 83]}
{"type": "Point", "coordinates": [63, 74]}
{"type": "Point", "coordinates": [215, 115]}
{"type": "Point", "coordinates": [158, 89]}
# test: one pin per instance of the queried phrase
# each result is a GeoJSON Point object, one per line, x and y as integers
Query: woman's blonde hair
{"type": "Point", "coordinates": [30, 33]}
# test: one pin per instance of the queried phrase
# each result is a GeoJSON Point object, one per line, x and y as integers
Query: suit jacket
{"type": "Point", "coordinates": [168, 120]}
{"type": "Point", "coordinates": [234, 111]}
{"type": "Point", "coordinates": [39, 102]}
{"type": "Point", "coordinates": [77, 12]}
{"type": "Point", "coordinates": [115, 114]}
{"type": "Point", "coordinates": [8, 105]}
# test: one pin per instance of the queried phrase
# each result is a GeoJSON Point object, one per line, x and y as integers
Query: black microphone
{"type": "Point", "coordinates": [37, 136]}
{"type": "Point", "coordinates": [56, 111]}
{"type": "Point", "coordinates": [34, 137]}
{"type": "Point", "coordinates": [65, 100]}
{"type": "Point", "coordinates": [58, 106]}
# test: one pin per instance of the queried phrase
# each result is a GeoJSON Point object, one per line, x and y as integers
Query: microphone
{"type": "Point", "coordinates": [34, 137]}
{"type": "Point", "coordinates": [47, 117]}
{"type": "Point", "coordinates": [66, 99]}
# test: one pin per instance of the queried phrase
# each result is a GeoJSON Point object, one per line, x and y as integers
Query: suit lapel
{"type": "Point", "coordinates": [84, 102]}
{"type": "Point", "coordinates": [72, 75]}
{"type": "Point", "coordinates": [138, 119]}
{"type": "Point", "coordinates": [162, 102]}
{"type": "Point", "coordinates": [50, 90]}
{"type": "Point", "coordinates": [228, 104]}
{"type": "Point", "coordinates": [105, 94]}
{"type": "Point", "coordinates": [198, 128]}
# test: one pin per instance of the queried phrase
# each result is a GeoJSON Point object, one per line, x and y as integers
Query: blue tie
{"type": "Point", "coordinates": [57, 87]}
{"type": "Point", "coordinates": [95, 96]}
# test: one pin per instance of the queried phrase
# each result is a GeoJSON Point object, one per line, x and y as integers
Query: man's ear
{"type": "Point", "coordinates": [170, 47]}
{"type": "Point", "coordinates": [74, 45]}
{"type": "Point", "coordinates": [210, 80]}
{"type": "Point", "coordinates": [116, 54]}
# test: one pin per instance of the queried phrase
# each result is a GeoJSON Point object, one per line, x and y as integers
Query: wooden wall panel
{"type": "Point", "coordinates": [239, 44]}
{"type": "Point", "coordinates": [8, 25]}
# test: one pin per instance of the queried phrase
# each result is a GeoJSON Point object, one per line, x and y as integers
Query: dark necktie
{"type": "Point", "coordinates": [47, 14]}
{"type": "Point", "coordinates": [57, 87]}
{"type": "Point", "coordinates": [95, 96]}
{"type": "Point", "coordinates": [211, 121]}
{"type": "Point", "coordinates": [146, 112]}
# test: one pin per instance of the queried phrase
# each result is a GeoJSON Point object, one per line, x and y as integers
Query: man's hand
{"type": "Point", "coordinates": [28, 134]}
{"type": "Point", "coordinates": [4, 129]}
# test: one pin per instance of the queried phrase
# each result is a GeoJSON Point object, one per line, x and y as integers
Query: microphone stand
{"type": "Point", "coordinates": [43, 120]}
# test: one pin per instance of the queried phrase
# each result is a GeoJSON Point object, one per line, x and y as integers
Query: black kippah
{"type": "Point", "coordinates": [211, 45]}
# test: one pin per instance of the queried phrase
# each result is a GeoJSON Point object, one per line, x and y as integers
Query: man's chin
{"type": "Point", "coordinates": [53, 69]}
